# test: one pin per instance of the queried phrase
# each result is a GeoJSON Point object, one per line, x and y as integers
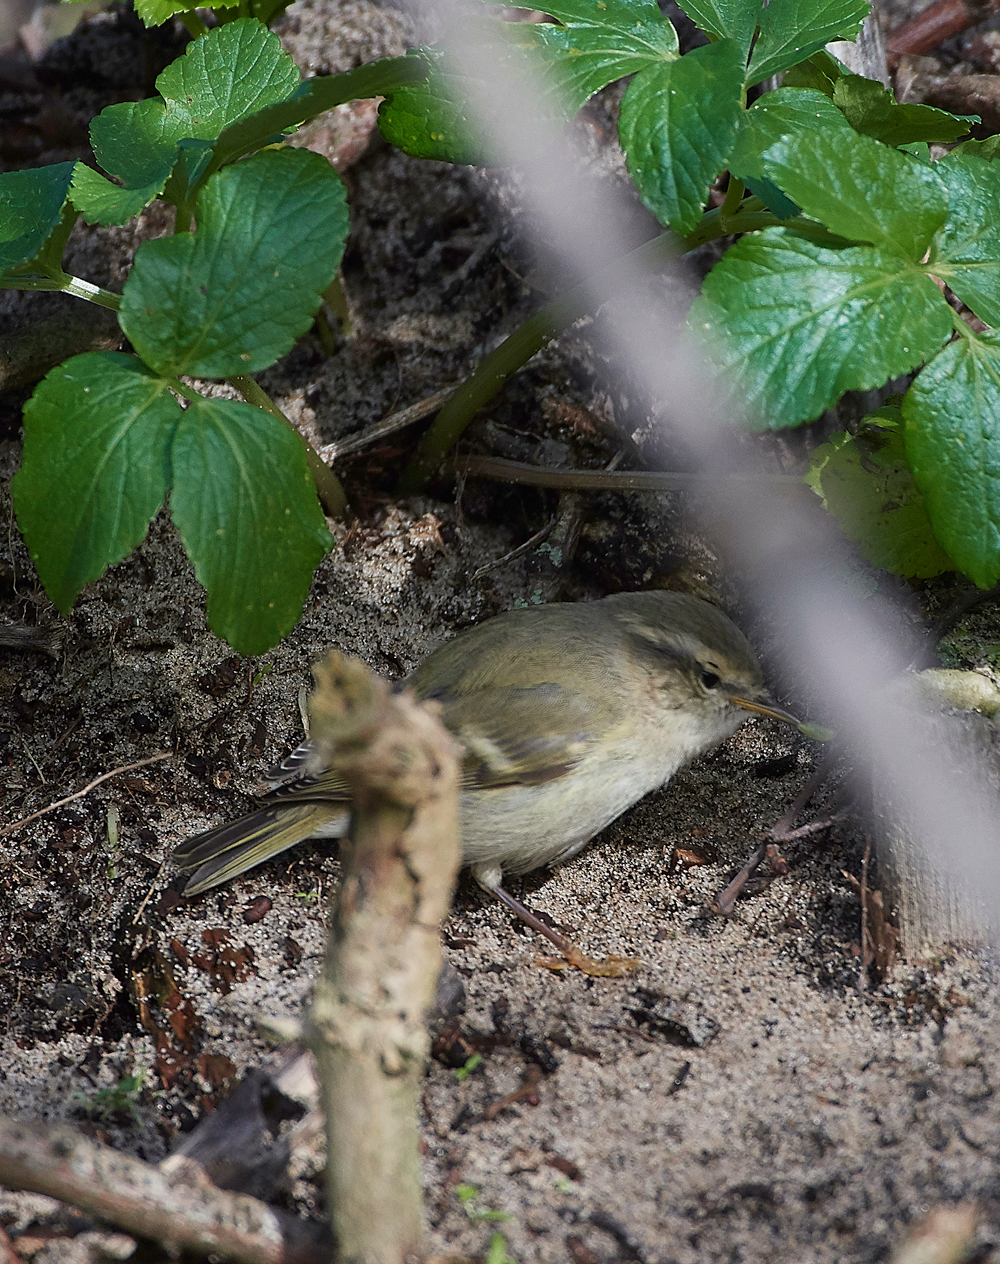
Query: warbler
{"type": "Point", "coordinates": [568, 715]}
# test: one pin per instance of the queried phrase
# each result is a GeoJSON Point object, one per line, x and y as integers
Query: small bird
{"type": "Point", "coordinates": [568, 715]}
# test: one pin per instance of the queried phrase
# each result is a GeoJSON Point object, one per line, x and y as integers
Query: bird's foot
{"type": "Point", "coordinates": [572, 957]}
{"type": "Point", "coordinates": [606, 968]}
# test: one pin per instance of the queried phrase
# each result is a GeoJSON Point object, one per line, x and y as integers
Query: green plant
{"type": "Point", "coordinates": [859, 258]}
{"type": "Point", "coordinates": [848, 236]}
{"type": "Point", "coordinates": [468, 1196]}
{"type": "Point", "coordinates": [466, 1069]}
{"type": "Point", "coordinates": [108, 436]}
{"type": "Point", "coordinates": [497, 1252]}
{"type": "Point", "coordinates": [111, 1103]}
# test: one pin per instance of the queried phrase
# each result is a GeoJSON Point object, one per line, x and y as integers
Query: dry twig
{"type": "Point", "coordinates": [58, 1161]}
{"type": "Point", "coordinates": [864, 959]}
{"type": "Point", "coordinates": [605, 480]}
{"type": "Point", "coordinates": [514, 554]}
{"type": "Point", "coordinates": [139, 763]}
{"type": "Point", "coordinates": [396, 421]}
{"type": "Point", "coordinates": [937, 23]}
{"type": "Point", "coordinates": [25, 636]}
{"type": "Point", "coordinates": [780, 832]}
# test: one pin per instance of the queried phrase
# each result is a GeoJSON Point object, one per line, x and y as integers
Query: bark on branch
{"type": "Point", "coordinates": [367, 1027]}
{"type": "Point", "coordinates": [58, 1161]}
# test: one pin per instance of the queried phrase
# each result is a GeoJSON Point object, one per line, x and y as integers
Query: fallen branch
{"type": "Point", "coordinates": [22, 636]}
{"type": "Point", "coordinates": [139, 763]}
{"type": "Point", "coordinates": [864, 960]}
{"type": "Point", "coordinates": [137, 1197]}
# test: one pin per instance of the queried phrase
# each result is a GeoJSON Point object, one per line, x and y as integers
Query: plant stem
{"type": "Point", "coordinates": [183, 215]}
{"type": "Point", "coordinates": [733, 198]}
{"type": "Point", "coordinates": [492, 372]}
{"type": "Point", "coordinates": [331, 493]}
{"type": "Point", "coordinates": [193, 23]}
{"type": "Point", "coordinates": [316, 96]}
{"type": "Point", "coordinates": [602, 480]}
{"type": "Point", "coordinates": [66, 284]}
{"type": "Point", "coordinates": [185, 392]}
{"type": "Point", "coordinates": [547, 323]}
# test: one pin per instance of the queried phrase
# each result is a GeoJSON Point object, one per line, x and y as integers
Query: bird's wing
{"type": "Point", "coordinates": [510, 736]}
{"type": "Point", "coordinates": [520, 736]}
{"type": "Point", "coordinates": [327, 786]}
{"type": "Point", "coordinates": [294, 765]}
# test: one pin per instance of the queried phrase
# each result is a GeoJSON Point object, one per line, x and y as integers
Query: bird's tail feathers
{"type": "Point", "coordinates": [228, 850]}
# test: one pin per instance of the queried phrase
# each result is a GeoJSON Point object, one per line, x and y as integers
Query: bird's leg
{"type": "Point", "coordinates": [610, 967]}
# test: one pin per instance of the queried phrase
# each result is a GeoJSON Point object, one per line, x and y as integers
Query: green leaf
{"type": "Point", "coordinates": [792, 30]}
{"type": "Point", "coordinates": [245, 505]}
{"type": "Point", "coordinates": [774, 115]}
{"type": "Point", "coordinates": [772, 197]}
{"type": "Point", "coordinates": [433, 119]}
{"type": "Point", "coordinates": [820, 71]}
{"type": "Point", "coordinates": [156, 12]}
{"type": "Point", "coordinates": [592, 45]}
{"type": "Point", "coordinates": [498, 1253]}
{"type": "Point", "coordinates": [136, 143]}
{"type": "Point", "coordinates": [677, 125]}
{"type": "Point", "coordinates": [860, 189]}
{"type": "Point", "coordinates": [952, 414]}
{"type": "Point", "coordinates": [918, 149]}
{"type": "Point", "coordinates": [225, 77]}
{"type": "Point", "coordinates": [193, 160]}
{"type": "Point", "coordinates": [967, 250]}
{"type": "Point", "coordinates": [48, 261]}
{"type": "Point", "coordinates": [792, 324]}
{"type": "Point", "coordinates": [31, 207]}
{"type": "Point", "coordinates": [610, 15]}
{"type": "Point", "coordinates": [235, 295]}
{"type": "Point", "coordinates": [866, 483]}
{"type": "Point", "coordinates": [268, 10]}
{"type": "Point", "coordinates": [95, 469]}
{"type": "Point", "coordinates": [874, 111]}
{"type": "Point", "coordinates": [726, 19]}
{"type": "Point", "coordinates": [987, 149]}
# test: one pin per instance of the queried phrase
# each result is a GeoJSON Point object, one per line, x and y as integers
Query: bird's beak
{"type": "Point", "coordinates": [766, 708]}
{"type": "Point", "coordinates": [815, 731]}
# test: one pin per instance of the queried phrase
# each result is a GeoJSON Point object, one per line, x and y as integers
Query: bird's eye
{"type": "Point", "coordinates": [709, 679]}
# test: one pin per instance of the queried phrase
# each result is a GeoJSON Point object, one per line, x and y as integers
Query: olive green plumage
{"type": "Point", "coordinates": [568, 715]}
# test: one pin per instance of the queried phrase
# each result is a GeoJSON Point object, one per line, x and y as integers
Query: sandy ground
{"type": "Point", "coordinates": [736, 1099]}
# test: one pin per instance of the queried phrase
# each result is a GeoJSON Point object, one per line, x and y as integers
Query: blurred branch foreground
{"type": "Point", "coordinates": [939, 852]}
{"type": "Point", "coordinates": [367, 1026]}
